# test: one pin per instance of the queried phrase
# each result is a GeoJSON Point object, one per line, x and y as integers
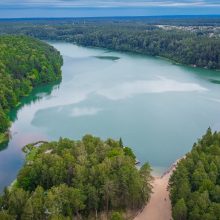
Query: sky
{"type": "Point", "coordinates": [102, 8]}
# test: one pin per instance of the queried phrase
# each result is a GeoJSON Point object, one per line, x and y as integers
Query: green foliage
{"type": "Point", "coordinates": [4, 121]}
{"type": "Point", "coordinates": [5, 216]}
{"type": "Point", "coordinates": [67, 179]}
{"type": "Point", "coordinates": [17, 201]}
{"type": "Point", "coordinates": [3, 139]}
{"type": "Point", "coordinates": [24, 63]}
{"type": "Point", "coordinates": [195, 184]}
{"type": "Point", "coordinates": [179, 46]}
{"type": "Point", "coordinates": [128, 151]}
{"type": "Point", "coordinates": [121, 143]}
{"type": "Point", "coordinates": [116, 216]}
{"type": "Point", "coordinates": [180, 210]}
{"type": "Point", "coordinates": [196, 48]}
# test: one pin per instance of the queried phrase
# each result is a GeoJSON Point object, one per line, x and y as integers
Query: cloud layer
{"type": "Point", "coordinates": [109, 3]}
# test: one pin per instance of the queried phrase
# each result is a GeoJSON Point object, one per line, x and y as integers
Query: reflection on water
{"type": "Point", "coordinates": [35, 96]}
{"type": "Point", "coordinates": [3, 145]}
{"type": "Point", "coordinates": [157, 108]}
{"type": "Point", "coordinates": [11, 156]}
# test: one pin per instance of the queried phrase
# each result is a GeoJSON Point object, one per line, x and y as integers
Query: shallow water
{"type": "Point", "coordinates": [157, 108]}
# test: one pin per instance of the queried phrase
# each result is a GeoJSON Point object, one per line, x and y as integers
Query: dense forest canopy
{"type": "Point", "coordinates": [84, 178]}
{"type": "Point", "coordinates": [195, 185]}
{"type": "Point", "coordinates": [24, 63]}
{"type": "Point", "coordinates": [187, 41]}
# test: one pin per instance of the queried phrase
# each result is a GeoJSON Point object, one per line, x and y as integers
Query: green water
{"type": "Point", "coordinates": [157, 108]}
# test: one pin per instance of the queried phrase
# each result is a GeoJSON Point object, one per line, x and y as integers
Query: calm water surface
{"type": "Point", "coordinates": [159, 109]}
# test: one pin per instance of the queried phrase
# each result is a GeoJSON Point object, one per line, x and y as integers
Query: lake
{"type": "Point", "coordinates": [159, 109]}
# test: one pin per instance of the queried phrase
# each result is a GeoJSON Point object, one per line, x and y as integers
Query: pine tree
{"type": "Point", "coordinates": [180, 210]}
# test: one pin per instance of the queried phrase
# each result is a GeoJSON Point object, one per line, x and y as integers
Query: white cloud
{"type": "Point", "coordinates": [109, 3]}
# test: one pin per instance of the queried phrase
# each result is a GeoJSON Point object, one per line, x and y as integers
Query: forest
{"type": "Point", "coordinates": [90, 178]}
{"type": "Point", "coordinates": [77, 180]}
{"type": "Point", "coordinates": [24, 63]}
{"type": "Point", "coordinates": [189, 45]}
{"type": "Point", "coordinates": [195, 185]}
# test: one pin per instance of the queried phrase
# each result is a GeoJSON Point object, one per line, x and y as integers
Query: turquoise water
{"type": "Point", "coordinates": [157, 108]}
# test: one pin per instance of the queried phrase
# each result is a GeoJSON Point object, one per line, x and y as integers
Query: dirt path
{"type": "Point", "coordinates": [159, 206]}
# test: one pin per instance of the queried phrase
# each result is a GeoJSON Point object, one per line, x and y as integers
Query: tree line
{"type": "Point", "coordinates": [179, 45]}
{"type": "Point", "coordinates": [24, 63]}
{"type": "Point", "coordinates": [77, 180]}
{"type": "Point", "coordinates": [195, 185]}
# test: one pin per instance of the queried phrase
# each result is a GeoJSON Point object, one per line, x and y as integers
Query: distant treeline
{"type": "Point", "coordinates": [195, 185]}
{"type": "Point", "coordinates": [77, 180]}
{"type": "Point", "coordinates": [24, 63]}
{"type": "Point", "coordinates": [196, 48]}
{"type": "Point", "coordinates": [181, 20]}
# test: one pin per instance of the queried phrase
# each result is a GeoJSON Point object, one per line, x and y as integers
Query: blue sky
{"type": "Point", "coordinates": [89, 8]}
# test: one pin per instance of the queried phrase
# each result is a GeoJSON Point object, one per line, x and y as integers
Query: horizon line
{"type": "Point", "coordinates": [106, 17]}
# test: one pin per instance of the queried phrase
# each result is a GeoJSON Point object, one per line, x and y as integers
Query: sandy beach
{"type": "Point", "coordinates": [159, 206]}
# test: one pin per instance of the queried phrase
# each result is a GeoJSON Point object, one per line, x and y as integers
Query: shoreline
{"type": "Point", "coordinates": [168, 59]}
{"type": "Point", "coordinates": [159, 206]}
